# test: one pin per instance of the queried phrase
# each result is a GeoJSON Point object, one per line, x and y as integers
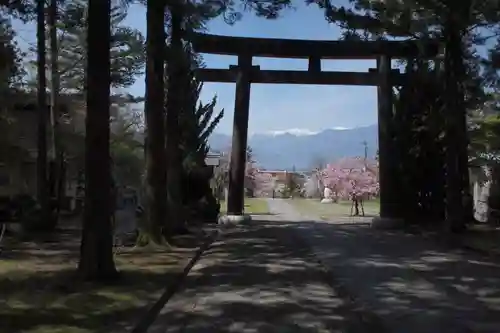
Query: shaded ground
{"type": "Point", "coordinates": [254, 206]}
{"type": "Point", "coordinates": [260, 278]}
{"type": "Point", "coordinates": [40, 294]}
{"type": "Point", "coordinates": [341, 209]}
{"type": "Point", "coordinates": [481, 236]}
{"type": "Point", "coordinates": [485, 238]}
{"type": "Point", "coordinates": [411, 283]}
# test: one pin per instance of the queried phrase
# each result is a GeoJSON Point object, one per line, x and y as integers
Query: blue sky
{"type": "Point", "coordinates": [299, 108]}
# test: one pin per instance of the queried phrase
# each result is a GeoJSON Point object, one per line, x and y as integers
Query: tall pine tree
{"type": "Point", "coordinates": [197, 121]}
{"type": "Point", "coordinates": [462, 26]}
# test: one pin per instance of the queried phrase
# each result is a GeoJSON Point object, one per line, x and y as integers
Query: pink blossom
{"type": "Point", "coordinates": [250, 169]}
{"type": "Point", "coordinates": [265, 184]}
{"type": "Point", "coordinates": [351, 177]}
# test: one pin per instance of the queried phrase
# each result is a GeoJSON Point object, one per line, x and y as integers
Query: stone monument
{"type": "Point", "coordinates": [327, 196]}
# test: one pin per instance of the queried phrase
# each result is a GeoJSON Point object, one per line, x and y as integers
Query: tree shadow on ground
{"type": "Point", "coordinates": [483, 237]}
{"type": "Point", "coordinates": [41, 292]}
{"type": "Point", "coordinates": [266, 278]}
{"type": "Point", "coordinates": [400, 275]}
{"type": "Point", "coordinates": [367, 218]}
{"type": "Point", "coordinates": [259, 279]}
{"type": "Point", "coordinates": [48, 303]}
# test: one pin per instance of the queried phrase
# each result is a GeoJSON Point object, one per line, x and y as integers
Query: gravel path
{"type": "Point", "coordinates": [412, 284]}
{"type": "Point", "coordinates": [260, 278]}
{"type": "Point", "coordinates": [270, 276]}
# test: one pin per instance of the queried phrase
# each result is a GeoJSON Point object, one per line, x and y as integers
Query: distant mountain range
{"type": "Point", "coordinates": [285, 150]}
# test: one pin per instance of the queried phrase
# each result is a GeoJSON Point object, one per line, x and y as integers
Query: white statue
{"type": "Point", "coordinates": [327, 196]}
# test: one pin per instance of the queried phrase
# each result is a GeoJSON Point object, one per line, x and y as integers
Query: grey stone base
{"type": "Point", "coordinates": [16, 227]}
{"type": "Point", "coordinates": [386, 223]}
{"type": "Point", "coordinates": [234, 219]}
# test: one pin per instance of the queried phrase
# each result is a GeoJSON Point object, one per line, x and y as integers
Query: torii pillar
{"type": "Point", "coordinates": [237, 164]}
{"type": "Point", "coordinates": [389, 217]}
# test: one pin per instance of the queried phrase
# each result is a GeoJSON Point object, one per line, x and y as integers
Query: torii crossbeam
{"type": "Point", "coordinates": [243, 74]}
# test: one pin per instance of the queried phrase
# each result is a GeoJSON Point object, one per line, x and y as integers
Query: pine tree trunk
{"type": "Point", "coordinates": [42, 185]}
{"type": "Point", "coordinates": [56, 155]}
{"type": "Point", "coordinates": [96, 251]}
{"type": "Point", "coordinates": [455, 115]}
{"type": "Point", "coordinates": [156, 183]}
{"type": "Point", "coordinates": [175, 73]}
{"type": "Point", "coordinates": [463, 162]}
{"type": "Point", "coordinates": [61, 182]}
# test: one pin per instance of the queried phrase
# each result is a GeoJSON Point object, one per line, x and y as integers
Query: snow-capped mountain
{"type": "Point", "coordinates": [302, 149]}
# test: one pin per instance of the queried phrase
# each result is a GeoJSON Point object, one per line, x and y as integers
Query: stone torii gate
{"type": "Point", "coordinates": [244, 74]}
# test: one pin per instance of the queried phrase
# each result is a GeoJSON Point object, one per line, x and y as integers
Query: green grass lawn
{"type": "Point", "coordinates": [329, 211]}
{"type": "Point", "coordinates": [255, 206]}
{"type": "Point", "coordinates": [41, 295]}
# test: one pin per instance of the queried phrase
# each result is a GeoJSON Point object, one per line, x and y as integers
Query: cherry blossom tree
{"type": "Point", "coordinates": [353, 179]}
{"type": "Point", "coordinates": [251, 173]}
{"type": "Point", "coordinates": [265, 184]}
{"type": "Point", "coordinates": [259, 183]}
{"type": "Point", "coordinates": [251, 178]}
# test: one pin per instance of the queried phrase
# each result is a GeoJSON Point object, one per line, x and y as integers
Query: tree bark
{"type": "Point", "coordinates": [42, 188]}
{"type": "Point", "coordinates": [176, 72]}
{"type": "Point", "coordinates": [156, 187]}
{"type": "Point", "coordinates": [96, 251]}
{"type": "Point", "coordinates": [56, 153]}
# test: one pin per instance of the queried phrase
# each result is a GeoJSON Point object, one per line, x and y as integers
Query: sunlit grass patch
{"type": "Point", "coordinates": [329, 211]}
{"type": "Point", "coordinates": [256, 206]}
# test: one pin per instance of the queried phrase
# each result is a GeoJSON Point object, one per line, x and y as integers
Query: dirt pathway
{"type": "Point", "coordinates": [260, 278]}
{"type": "Point", "coordinates": [412, 284]}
